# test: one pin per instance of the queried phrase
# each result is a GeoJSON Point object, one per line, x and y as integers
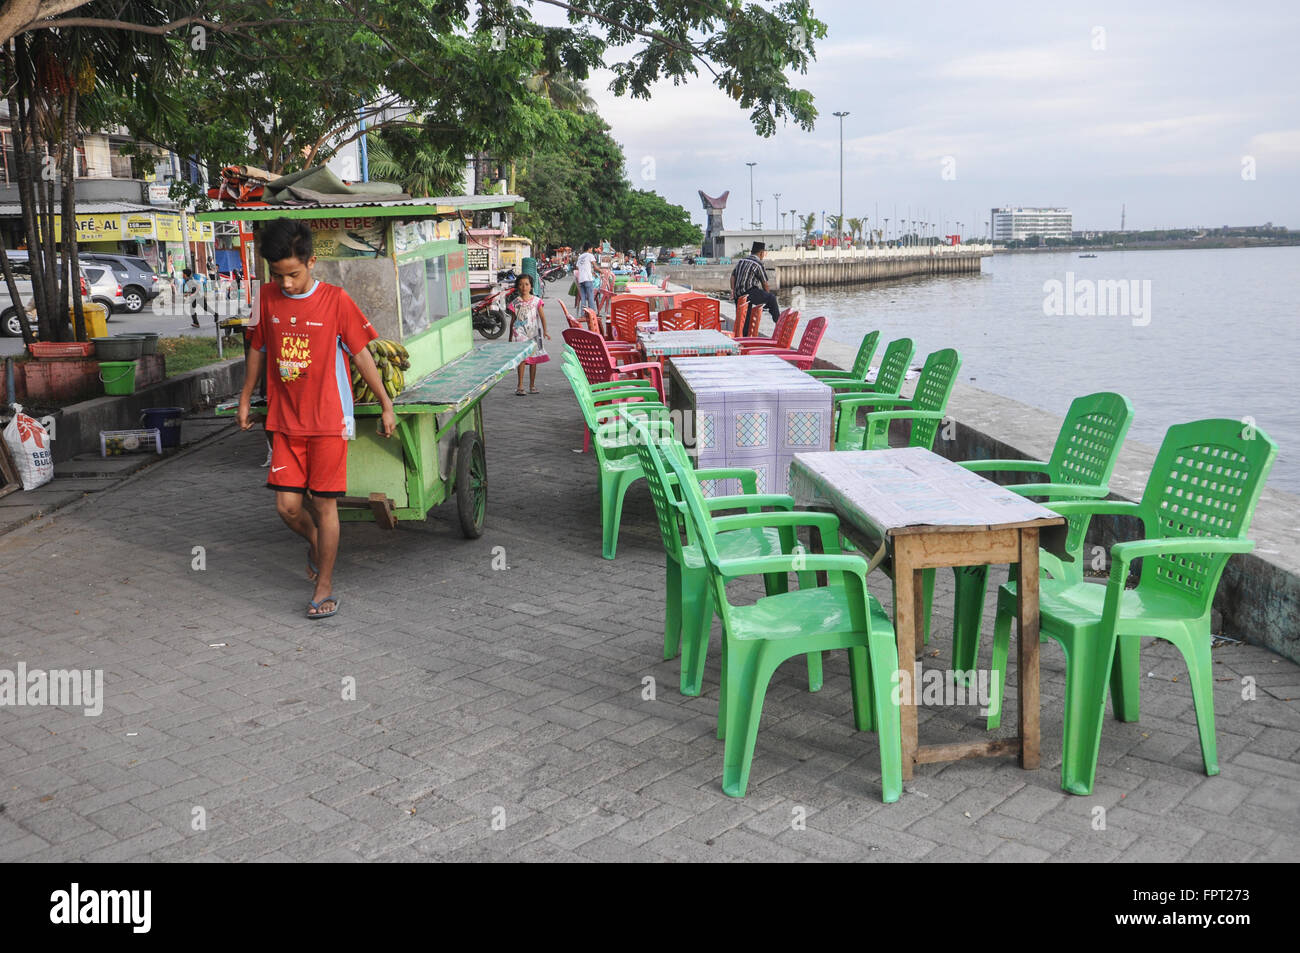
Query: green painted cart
{"type": "Point", "coordinates": [404, 263]}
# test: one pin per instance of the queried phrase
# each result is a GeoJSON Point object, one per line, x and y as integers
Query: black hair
{"type": "Point", "coordinates": [527, 278]}
{"type": "Point", "coordinates": [285, 238]}
{"type": "Point", "coordinates": [186, 272]}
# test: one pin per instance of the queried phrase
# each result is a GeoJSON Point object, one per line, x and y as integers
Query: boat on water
{"type": "Point", "coordinates": [1088, 256]}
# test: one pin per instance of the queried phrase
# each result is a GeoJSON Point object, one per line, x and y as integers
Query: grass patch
{"type": "Point", "coordinates": [187, 353]}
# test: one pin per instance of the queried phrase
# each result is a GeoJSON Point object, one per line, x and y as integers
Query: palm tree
{"type": "Point", "coordinates": [833, 223]}
{"type": "Point", "coordinates": [563, 89]}
{"type": "Point", "coordinates": [809, 222]}
{"type": "Point", "coordinates": [855, 227]}
{"type": "Point", "coordinates": [421, 168]}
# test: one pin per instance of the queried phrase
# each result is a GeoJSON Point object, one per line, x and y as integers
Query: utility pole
{"type": "Point", "coordinates": [840, 220]}
{"type": "Point", "coordinates": [751, 192]}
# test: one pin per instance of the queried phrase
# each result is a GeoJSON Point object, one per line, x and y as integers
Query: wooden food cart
{"type": "Point", "coordinates": [404, 263]}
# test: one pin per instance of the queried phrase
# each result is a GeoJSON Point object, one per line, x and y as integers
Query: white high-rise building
{"type": "Point", "coordinates": [1021, 223]}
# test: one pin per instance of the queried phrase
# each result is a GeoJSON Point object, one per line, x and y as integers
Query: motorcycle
{"type": "Point", "coordinates": [554, 272]}
{"type": "Point", "coordinates": [488, 314]}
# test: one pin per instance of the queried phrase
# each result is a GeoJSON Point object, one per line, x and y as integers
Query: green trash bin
{"type": "Point", "coordinates": [118, 377]}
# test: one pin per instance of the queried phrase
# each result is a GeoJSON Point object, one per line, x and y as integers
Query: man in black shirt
{"type": "Point", "coordinates": [749, 278]}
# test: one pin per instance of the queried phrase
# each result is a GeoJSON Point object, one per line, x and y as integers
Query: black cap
{"type": "Point", "coordinates": [758, 247]}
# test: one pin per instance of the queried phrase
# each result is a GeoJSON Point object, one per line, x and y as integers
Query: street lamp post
{"type": "Point", "coordinates": [840, 221]}
{"type": "Point", "coordinates": [760, 213]}
{"type": "Point", "coordinates": [793, 225]}
{"type": "Point", "coordinates": [776, 200]}
{"type": "Point", "coordinates": [751, 192]}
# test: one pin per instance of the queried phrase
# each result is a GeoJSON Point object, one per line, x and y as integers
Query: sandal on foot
{"type": "Point", "coordinates": [519, 393]}
{"type": "Point", "coordinates": [533, 390]}
{"type": "Point", "coordinates": [312, 569]}
{"type": "Point", "coordinates": [318, 614]}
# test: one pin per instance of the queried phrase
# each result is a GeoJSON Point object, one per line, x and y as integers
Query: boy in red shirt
{"type": "Point", "coordinates": [308, 329]}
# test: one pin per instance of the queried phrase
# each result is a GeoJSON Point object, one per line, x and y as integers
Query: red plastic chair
{"type": "Point", "coordinates": [742, 316]}
{"type": "Point", "coordinates": [664, 286]}
{"type": "Point", "coordinates": [708, 310]}
{"type": "Point", "coordinates": [782, 335]}
{"type": "Point", "coordinates": [597, 363]}
{"type": "Point", "coordinates": [621, 350]}
{"type": "Point", "coordinates": [806, 353]}
{"type": "Point", "coordinates": [678, 319]}
{"type": "Point", "coordinates": [573, 322]}
{"type": "Point", "coordinates": [631, 311]}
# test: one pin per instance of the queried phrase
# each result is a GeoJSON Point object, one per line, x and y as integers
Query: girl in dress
{"type": "Point", "coordinates": [529, 323]}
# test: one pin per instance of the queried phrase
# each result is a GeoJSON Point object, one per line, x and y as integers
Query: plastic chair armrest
{"type": "Point", "coordinates": [1121, 554]}
{"type": "Point", "coordinates": [1024, 466]}
{"type": "Point", "coordinates": [752, 502]}
{"type": "Point", "coordinates": [797, 562]}
{"type": "Point", "coordinates": [1063, 491]}
{"type": "Point", "coordinates": [828, 523]}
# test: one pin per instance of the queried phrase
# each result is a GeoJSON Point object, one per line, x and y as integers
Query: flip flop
{"type": "Point", "coordinates": [519, 393]}
{"type": "Point", "coordinates": [322, 615]}
{"type": "Point", "coordinates": [312, 569]}
{"type": "Point", "coordinates": [533, 390]}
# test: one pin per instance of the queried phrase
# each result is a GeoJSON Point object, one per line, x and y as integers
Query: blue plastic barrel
{"type": "Point", "coordinates": [168, 422]}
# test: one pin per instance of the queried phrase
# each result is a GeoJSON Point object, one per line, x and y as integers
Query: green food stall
{"type": "Point", "coordinates": [404, 264]}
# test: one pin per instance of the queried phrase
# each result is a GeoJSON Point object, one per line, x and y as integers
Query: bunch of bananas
{"type": "Point", "coordinates": [391, 359]}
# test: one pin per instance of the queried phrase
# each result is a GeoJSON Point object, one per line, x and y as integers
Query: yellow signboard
{"type": "Point", "coordinates": [169, 228]}
{"type": "Point", "coordinates": [139, 226]}
{"type": "Point", "coordinates": [96, 228]}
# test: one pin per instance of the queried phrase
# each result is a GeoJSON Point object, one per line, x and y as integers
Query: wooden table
{"type": "Point", "coordinates": [930, 513]}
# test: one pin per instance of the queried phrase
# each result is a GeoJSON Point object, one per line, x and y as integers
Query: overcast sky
{"type": "Point", "coordinates": [1160, 119]}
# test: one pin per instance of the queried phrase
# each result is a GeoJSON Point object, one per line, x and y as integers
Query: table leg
{"type": "Point", "coordinates": [1027, 640]}
{"type": "Point", "coordinates": [906, 596]}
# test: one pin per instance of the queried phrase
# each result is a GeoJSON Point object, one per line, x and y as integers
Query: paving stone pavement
{"type": "Point", "coordinates": [499, 713]}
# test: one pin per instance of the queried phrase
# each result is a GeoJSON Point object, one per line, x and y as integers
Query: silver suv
{"type": "Point", "coordinates": [139, 282]}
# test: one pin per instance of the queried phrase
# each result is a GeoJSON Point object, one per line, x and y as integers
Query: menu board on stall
{"type": "Point", "coordinates": [348, 237]}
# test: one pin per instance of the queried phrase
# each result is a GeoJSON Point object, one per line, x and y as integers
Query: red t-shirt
{"type": "Point", "coordinates": [307, 341]}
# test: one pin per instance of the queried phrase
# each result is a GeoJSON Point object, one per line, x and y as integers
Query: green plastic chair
{"type": "Point", "coordinates": [1080, 467]}
{"type": "Point", "coordinates": [891, 374]}
{"type": "Point", "coordinates": [688, 609]}
{"type": "Point", "coordinates": [888, 383]}
{"type": "Point", "coordinates": [861, 364]}
{"type": "Point", "coordinates": [617, 462]}
{"type": "Point", "coordinates": [1195, 512]}
{"type": "Point", "coordinates": [925, 408]}
{"type": "Point", "coordinates": [757, 638]}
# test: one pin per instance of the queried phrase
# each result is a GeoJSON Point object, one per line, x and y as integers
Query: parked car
{"type": "Point", "coordinates": [139, 282]}
{"type": "Point", "coordinates": [11, 317]}
{"type": "Point", "coordinates": [104, 286]}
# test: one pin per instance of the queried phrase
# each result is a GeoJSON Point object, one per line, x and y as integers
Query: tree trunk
{"type": "Point", "coordinates": [17, 67]}
{"type": "Point", "coordinates": [73, 263]}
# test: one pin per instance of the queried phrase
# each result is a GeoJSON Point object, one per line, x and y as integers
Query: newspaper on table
{"type": "Point", "coordinates": [886, 490]}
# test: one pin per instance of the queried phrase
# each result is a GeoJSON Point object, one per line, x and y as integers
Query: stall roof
{"type": "Point", "coordinates": [13, 209]}
{"type": "Point", "coordinates": [438, 205]}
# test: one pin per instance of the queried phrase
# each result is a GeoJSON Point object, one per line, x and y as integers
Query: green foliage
{"type": "Point", "coordinates": [577, 193]}
{"type": "Point", "coordinates": [280, 86]}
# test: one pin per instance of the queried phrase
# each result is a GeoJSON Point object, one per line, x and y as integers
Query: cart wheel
{"type": "Point", "coordinates": [471, 484]}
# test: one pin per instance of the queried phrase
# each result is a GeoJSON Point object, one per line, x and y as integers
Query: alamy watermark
{"type": "Point", "coordinates": [1088, 297]}
{"type": "Point", "coordinates": [946, 687]}
{"type": "Point", "coordinates": [62, 688]}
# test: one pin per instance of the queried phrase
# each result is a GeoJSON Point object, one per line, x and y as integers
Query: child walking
{"type": "Point", "coordinates": [529, 324]}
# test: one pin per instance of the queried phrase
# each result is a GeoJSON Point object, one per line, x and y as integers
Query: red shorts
{"type": "Point", "coordinates": [319, 464]}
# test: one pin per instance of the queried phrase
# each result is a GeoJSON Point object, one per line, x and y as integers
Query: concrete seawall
{"type": "Point", "coordinates": [1258, 598]}
{"type": "Point", "coordinates": [811, 268]}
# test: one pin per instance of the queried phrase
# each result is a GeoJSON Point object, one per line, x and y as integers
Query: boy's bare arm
{"type": "Point", "coordinates": [252, 374]}
{"type": "Point", "coordinates": [370, 374]}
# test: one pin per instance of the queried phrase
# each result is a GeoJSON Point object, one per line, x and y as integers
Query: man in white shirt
{"type": "Point", "coordinates": [586, 279]}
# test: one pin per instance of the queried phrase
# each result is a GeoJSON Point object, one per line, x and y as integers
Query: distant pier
{"type": "Point", "coordinates": [813, 268]}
